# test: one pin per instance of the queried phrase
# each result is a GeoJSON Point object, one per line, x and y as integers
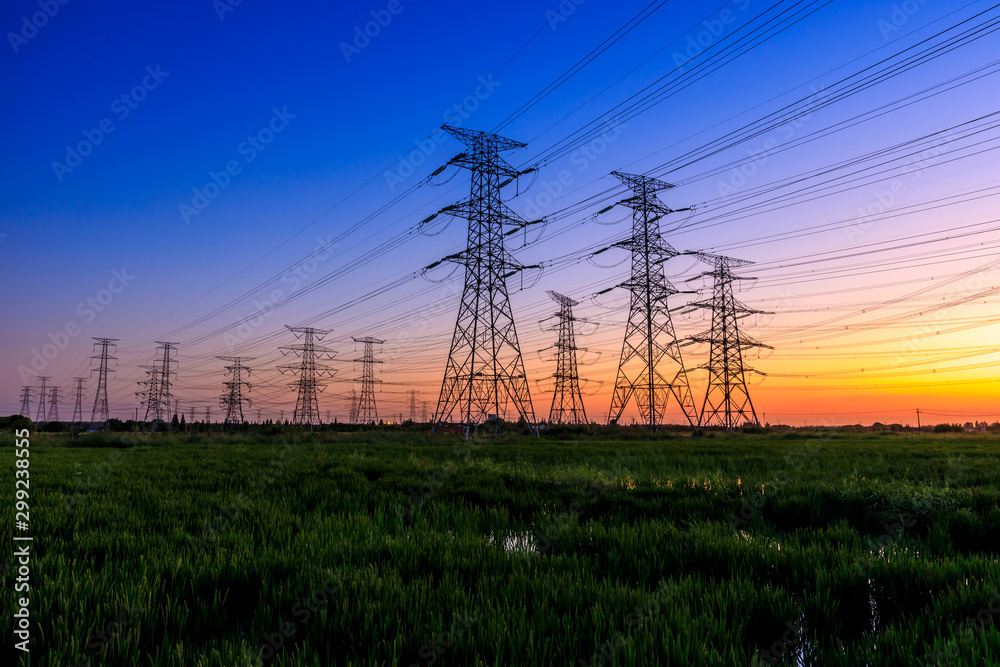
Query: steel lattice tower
{"type": "Point", "coordinates": [150, 396]}
{"type": "Point", "coordinates": [567, 402]}
{"type": "Point", "coordinates": [232, 400]}
{"type": "Point", "coordinates": [424, 413]}
{"type": "Point", "coordinates": [367, 412]}
{"type": "Point", "coordinates": [353, 417]}
{"type": "Point", "coordinates": [54, 404]}
{"type": "Point", "coordinates": [727, 400]}
{"type": "Point", "coordinates": [40, 416]}
{"type": "Point", "coordinates": [100, 413]}
{"type": "Point", "coordinates": [651, 367]}
{"type": "Point", "coordinates": [413, 406]}
{"type": "Point", "coordinates": [78, 404]}
{"type": "Point", "coordinates": [165, 396]}
{"type": "Point", "coordinates": [485, 370]}
{"type": "Point", "coordinates": [310, 371]}
{"type": "Point", "coordinates": [25, 410]}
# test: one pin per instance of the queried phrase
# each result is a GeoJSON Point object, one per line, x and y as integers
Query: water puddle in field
{"type": "Point", "coordinates": [518, 541]}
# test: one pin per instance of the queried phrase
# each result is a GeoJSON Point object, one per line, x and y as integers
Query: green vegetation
{"type": "Point", "coordinates": [397, 547]}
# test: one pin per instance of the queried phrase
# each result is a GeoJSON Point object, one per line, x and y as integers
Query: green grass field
{"type": "Point", "coordinates": [402, 548]}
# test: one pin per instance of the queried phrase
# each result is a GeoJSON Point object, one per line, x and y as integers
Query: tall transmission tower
{"type": "Point", "coordinates": [25, 410]}
{"type": "Point", "coordinates": [232, 399]}
{"type": "Point", "coordinates": [354, 407]}
{"type": "Point", "coordinates": [78, 404]}
{"type": "Point", "coordinates": [40, 416]}
{"type": "Point", "coordinates": [367, 412]}
{"type": "Point", "coordinates": [100, 413]}
{"type": "Point", "coordinates": [54, 404]}
{"type": "Point", "coordinates": [727, 400]}
{"type": "Point", "coordinates": [208, 415]}
{"type": "Point", "coordinates": [423, 414]}
{"type": "Point", "coordinates": [310, 371]}
{"type": "Point", "coordinates": [191, 415]}
{"type": "Point", "coordinates": [166, 368]}
{"type": "Point", "coordinates": [150, 395]}
{"type": "Point", "coordinates": [485, 371]}
{"type": "Point", "coordinates": [413, 406]}
{"type": "Point", "coordinates": [651, 368]}
{"type": "Point", "coordinates": [567, 401]}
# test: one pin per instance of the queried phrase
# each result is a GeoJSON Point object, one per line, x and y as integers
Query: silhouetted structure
{"type": "Point", "coordinates": [310, 371]}
{"type": "Point", "coordinates": [233, 399]}
{"type": "Point", "coordinates": [727, 400]}
{"type": "Point", "coordinates": [367, 412]}
{"type": "Point", "coordinates": [651, 367]}
{"type": "Point", "coordinates": [485, 370]}
{"type": "Point", "coordinates": [100, 415]}
{"type": "Point", "coordinates": [26, 401]}
{"type": "Point", "coordinates": [43, 392]}
{"type": "Point", "coordinates": [567, 401]}
{"type": "Point", "coordinates": [78, 403]}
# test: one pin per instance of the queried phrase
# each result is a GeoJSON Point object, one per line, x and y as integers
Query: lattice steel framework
{"type": "Point", "coordinates": [413, 406]}
{"type": "Point", "coordinates": [78, 403]}
{"type": "Point", "coordinates": [367, 412]}
{"type": "Point", "coordinates": [310, 371]}
{"type": "Point", "coordinates": [25, 410]}
{"type": "Point", "coordinates": [567, 401]}
{"type": "Point", "coordinates": [157, 396]}
{"type": "Point", "coordinates": [485, 371]}
{"type": "Point", "coordinates": [232, 398]}
{"type": "Point", "coordinates": [727, 399]}
{"type": "Point", "coordinates": [353, 415]}
{"type": "Point", "coordinates": [100, 415]}
{"type": "Point", "coordinates": [651, 367]}
{"type": "Point", "coordinates": [54, 404]}
{"type": "Point", "coordinates": [43, 392]}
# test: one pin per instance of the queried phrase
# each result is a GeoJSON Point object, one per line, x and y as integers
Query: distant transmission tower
{"type": "Point", "coordinates": [353, 418]}
{"type": "Point", "coordinates": [191, 415]}
{"type": "Point", "coordinates": [54, 404]}
{"type": "Point", "coordinates": [413, 406]}
{"type": "Point", "coordinates": [367, 412]}
{"type": "Point", "coordinates": [651, 367]}
{"type": "Point", "coordinates": [309, 370]}
{"type": "Point", "coordinates": [232, 399]}
{"type": "Point", "coordinates": [25, 410]}
{"type": "Point", "coordinates": [100, 415]}
{"type": "Point", "coordinates": [567, 402]}
{"type": "Point", "coordinates": [43, 393]}
{"type": "Point", "coordinates": [149, 396]}
{"type": "Point", "coordinates": [78, 404]}
{"type": "Point", "coordinates": [423, 414]}
{"type": "Point", "coordinates": [727, 400]}
{"type": "Point", "coordinates": [485, 371]}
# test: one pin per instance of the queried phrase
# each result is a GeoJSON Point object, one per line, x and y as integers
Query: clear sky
{"type": "Point", "coordinates": [169, 166]}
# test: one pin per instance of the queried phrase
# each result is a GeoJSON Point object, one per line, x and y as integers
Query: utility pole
{"type": "Point", "coordinates": [367, 412]}
{"type": "Point", "coordinates": [567, 401]}
{"type": "Point", "coordinates": [78, 404]}
{"type": "Point", "coordinates": [232, 399]}
{"type": "Point", "coordinates": [100, 413]}
{"type": "Point", "coordinates": [651, 367]}
{"type": "Point", "coordinates": [25, 410]}
{"type": "Point", "coordinates": [918, 419]}
{"type": "Point", "coordinates": [54, 404]}
{"type": "Point", "coordinates": [727, 400]}
{"type": "Point", "coordinates": [40, 417]}
{"type": "Point", "coordinates": [309, 371]}
{"type": "Point", "coordinates": [485, 371]}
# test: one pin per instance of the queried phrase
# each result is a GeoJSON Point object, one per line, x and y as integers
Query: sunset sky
{"type": "Point", "coordinates": [207, 173]}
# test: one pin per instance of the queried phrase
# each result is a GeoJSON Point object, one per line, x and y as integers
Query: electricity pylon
{"type": "Point", "coordinates": [353, 417]}
{"type": "Point", "coordinates": [232, 400]}
{"type": "Point", "coordinates": [424, 413]}
{"type": "Point", "coordinates": [100, 414]}
{"type": "Point", "coordinates": [54, 404]}
{"type": "Point", "coordinates": [567, 402]}
{"type": "Point", "coordinates": [310, 370]}
{"type": "Point", "coordinates": [727, 400]}
{"type": "Point", "coordinates": [485, 371]}
{"type": "Point", "coordinates": [651, 368]}
{"type": "Point", "coordinates": [150, 396]}
{"type": "Point", "coordinates": [78, 404]}
{"type": "Point", "coordinates": [25, 410]}
{"type": "Point", "coordinates": [40, 416]}
{"type": "Point", "coordinates": [367, 412]}
{"type": "Point", "coordinates": [413, 406]}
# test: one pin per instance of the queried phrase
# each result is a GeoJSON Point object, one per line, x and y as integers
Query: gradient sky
{"type": "Point", "coordinates": [346, 116]}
